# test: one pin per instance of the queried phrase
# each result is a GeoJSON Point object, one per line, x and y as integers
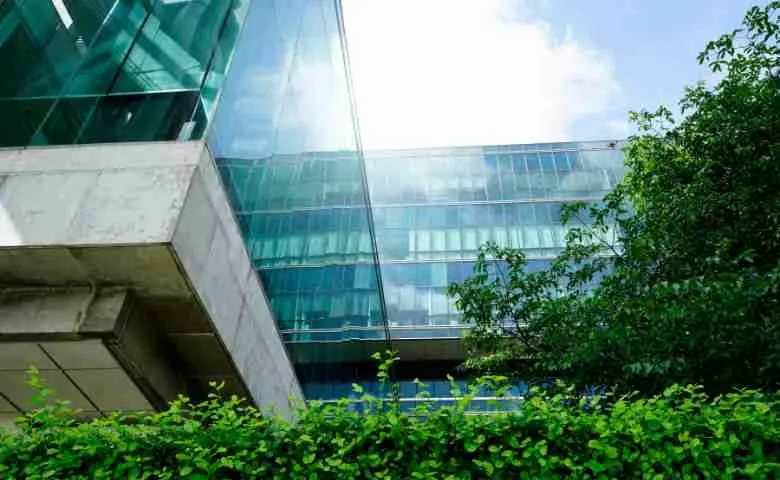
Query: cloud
{"type": "Point", "coordinates": [469, 72]}
{"type": "Point", "coordinates": [620, 128]}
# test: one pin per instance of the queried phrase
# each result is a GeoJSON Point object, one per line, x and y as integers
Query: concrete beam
{"type": "Point", "coordinates": [89, 334]}
{"type": "Point", "coordinates": [152, 218]}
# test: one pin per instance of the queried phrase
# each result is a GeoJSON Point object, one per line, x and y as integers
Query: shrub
{"type": "Point", "coordinates": [679, 433]}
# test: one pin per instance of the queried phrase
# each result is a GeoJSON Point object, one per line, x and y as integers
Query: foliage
{"type": "Point", "coordinates": [688, 247]}
{"type": "Point", "coordinates": [681, 432]}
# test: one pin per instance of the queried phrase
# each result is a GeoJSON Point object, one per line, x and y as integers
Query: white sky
{"type": "Point", "coordinates": [470, 72]}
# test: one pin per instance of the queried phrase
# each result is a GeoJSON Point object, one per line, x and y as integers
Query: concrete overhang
{"type": "Point", "coordinates": [151, 220]}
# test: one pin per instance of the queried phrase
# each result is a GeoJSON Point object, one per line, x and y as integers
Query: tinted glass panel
{"type": "Point", "coordinates": [285, 144]}
{"type": "Point", "coordinates": [64, 58]}
{"type": "Point", "coordinates": [446, 230]}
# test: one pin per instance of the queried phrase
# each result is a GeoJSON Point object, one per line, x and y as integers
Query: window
{"type": "Point", "coordinates": [547, 161]}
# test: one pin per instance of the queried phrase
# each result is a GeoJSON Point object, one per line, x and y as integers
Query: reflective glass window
{"type": "Point", "coordinates": [518, 163]}
{"type": "Point", "coordinates": [453, 240]}
{"type": "Point", "coordinates": [532, 162]}
{"type": "Point", "coordinates": [469, 240]}
{"type": "Point", "coordinates": [438, 241]}
{"type": "Point", "coordinates": [174, 48]}
{"type": "Point", "coordinates": [69, 57]}
{"type": "Point", "coordinates": [522, 186]}
{"type": "Point", "coordinates": [562, 161]}
{"type": "Point", "coordinates": [547, 161]}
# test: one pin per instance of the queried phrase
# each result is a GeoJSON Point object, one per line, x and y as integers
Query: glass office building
{"type": "Point", "coordinates": [355, 249]}
{"type": "Point", "coordinates": [304, 217]}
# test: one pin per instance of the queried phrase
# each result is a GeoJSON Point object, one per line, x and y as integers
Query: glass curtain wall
{"type": "Point", "coordinates": [433, 208]}
{"type": "Point", "coordinates": [84, 71]}
{"type": "Point", "coordinates": [287, 150]}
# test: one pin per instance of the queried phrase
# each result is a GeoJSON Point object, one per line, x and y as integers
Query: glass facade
{"type": "Point", "coordinates": [285, 142]}
{"type": "Point", "coordinates": [86, 71]}
{"type": "Point", "coordinates": [304, 218]}
{"type": "Point", "coordinates": [434, 208]}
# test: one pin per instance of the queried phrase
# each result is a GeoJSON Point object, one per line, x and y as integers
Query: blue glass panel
{"type": "Point", "coordinates": [284, 139]}
{"type": "Point", "coordinates": [532, 162]}
{"type": "Point", "coordinates": [547, 161]}
{"type": "Point", "coordinates": [562, 162]}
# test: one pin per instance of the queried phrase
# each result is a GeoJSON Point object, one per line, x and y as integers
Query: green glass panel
{"type": "Point", "coordinates": [65, 121]}
{"type": "Point", "coordinates": [174, 47]}
{"type": "Point", "coordinates": [70, 115]}
{"type": "Point", "coordinates": [108, 51]}
{"type": "Point", "coordinates": [223, 54]}
{"type": "Point", "coordinates": [20, 118]}
{"type": "Point", "coordinates": [40, 48]}
{"type": "Point", "coordinates": [160, 116]}
{"type": "Point", "coordinates": [37, 50]}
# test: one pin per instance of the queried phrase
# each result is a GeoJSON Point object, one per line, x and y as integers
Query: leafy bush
{"type": "Point", "coordinates": [681, 432]}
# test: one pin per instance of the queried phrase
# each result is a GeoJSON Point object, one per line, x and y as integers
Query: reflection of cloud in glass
{"type": "Point", "coordinates": [584, 181]}
{"type": "Point", "coordinates": [465, 174]}
{"type": "Point", "coordinates": [428, 178]}
{"type": "Point", "coordinates": [315, 114]}
{"type": "Point", "coordinates": [410, 305]}
{"type": "Point", "coordinates": [254, 114]}
{"type": "Point", "coordinates": [286, 92]}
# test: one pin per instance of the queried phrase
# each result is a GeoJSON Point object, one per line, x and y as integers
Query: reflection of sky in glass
{"type": "Point", "coordinates": [286, 92]}
{"type": "Point", "coordinates": [442, 204]}
{"type": "Point", "coordinates": [303, 213]}
{"type": "Point", "coordinates": [253, 92]}
{"type": "Point", "coordinates": [432, 210]}
{"type": "Point", "coordinates": [492, 174]}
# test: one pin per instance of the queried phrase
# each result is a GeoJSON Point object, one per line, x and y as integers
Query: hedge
{"type": "Point", "coordinates": [680, 433]}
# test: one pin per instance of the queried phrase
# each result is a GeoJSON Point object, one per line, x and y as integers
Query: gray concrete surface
{"type": "Point", "coordinates": [152, 218]}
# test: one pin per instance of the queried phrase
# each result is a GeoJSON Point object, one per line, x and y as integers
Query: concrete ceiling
{"type": "Point", "coordinates": [83, 372]}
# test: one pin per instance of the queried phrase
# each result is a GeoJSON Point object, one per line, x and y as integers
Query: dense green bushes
{"type": "Point", "coordinates": [681, 433]}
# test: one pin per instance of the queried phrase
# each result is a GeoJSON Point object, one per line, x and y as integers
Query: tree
{"type": "Point", "coordinates": [690, 286]}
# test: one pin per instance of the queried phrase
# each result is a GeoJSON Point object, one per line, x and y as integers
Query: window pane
{"type": "Point", "coordinates": [469, 238]}
{"type": "Point", "coordinates": [453, 240]}
{"type": "Point", "coordinates": [223, 54]}
{"type": "Point", "coordinates": [530, 237]}
{"type": "Point", "coordinates": [41, 48]}
{"type": "Point", "coordinates": [562, 162]}
{"type": "Point", "coordinates": [438, 274]}
{"type": "Point", "coordinates": [438, 241]}
{"type": "Point", "coordinates": [19, 119]}
{"type": "Point", "coordinates": [547, 161]}
{"type": "Point", "coordinates": [174, 47]}
{"type": "Point", "coordinates": [532, 162]}
{"type": "Point", "coordinates": [110, 48]}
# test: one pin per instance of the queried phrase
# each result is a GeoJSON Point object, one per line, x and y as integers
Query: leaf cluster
{"type": "Point", "coordinates": [550, 434]}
